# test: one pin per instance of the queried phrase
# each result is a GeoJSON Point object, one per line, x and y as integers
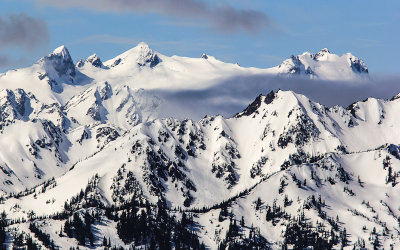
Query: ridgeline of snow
{"type": "Point", "coordinates": [324, 65]}
{"type": "Point", "coordinates": [95, 127]}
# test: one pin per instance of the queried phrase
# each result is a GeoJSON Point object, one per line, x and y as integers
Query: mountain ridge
{"type": "Point", "coordinates": [306, 138]}
{"type": "Point", "coordinates": [56, 78]}
{"type": "Point", "coordinates": [92, 151]}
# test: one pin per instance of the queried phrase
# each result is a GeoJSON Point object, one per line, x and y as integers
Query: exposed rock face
{"type": "Point", "coordinates": [60, 62]}
{"type": "Point", "coordinates": [95, 61]}
{"type": "Point", "coordinates": [147, 56]}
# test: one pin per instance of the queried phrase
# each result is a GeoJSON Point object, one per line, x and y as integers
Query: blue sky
{"type": "Point", "coordinates": [368, 29]}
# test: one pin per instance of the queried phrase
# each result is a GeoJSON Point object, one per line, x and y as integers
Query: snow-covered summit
{"type": "Point", "coordinates": [322, 53]}
{"type": "Point", "coordinates": [204, 56]}
{"type": "Point", "coordinates": [357, 64]}
{"type": "Point", "coordinates": [141, 55]}
{"type": "Point", "coordinates": [56, 69]}
{"type": "Point", "coordinates": [95, 61]}
{"type": "Point", "coordinates": [324, 65]}
{"type": "Point", "coordinates": [61, 51]}
{"type": "Point", "coordinates": [59, 61]}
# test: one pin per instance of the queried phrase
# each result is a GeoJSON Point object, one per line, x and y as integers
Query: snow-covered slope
{"type": "Point", "coordinates": [90, 143]}
{"type": "Point", "coordinates": [283, 142]}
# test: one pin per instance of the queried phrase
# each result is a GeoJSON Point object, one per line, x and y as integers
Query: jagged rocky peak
{"type": "Point", "coordinates": [61, 51]}
{"type": "Point", "coordinates": [395, 97]}
{"type": "Point", "coordinates": [141, 55]}
{"type": "Point", "coordinates": [94, 60]}
{"type": "Point", "coordinates": [79, 64]}
{"type": "Point", "coordinates": [105, 90]}
{"type": "Point", "coordinates": [59, 62]}
{"type": "Point", "coordinates": [256, 104]}
{"type": "Point", "coordinates": [204, 56]}
{"type": "Point", "coordinates": [146, 56]}
{"type": "Point", "coordinates": [356, 64]}
{"type": "Point", "coordinates": [14, 104]}
{"type": "Point", "coordinates": [323, 65]}
{"type": "Point", "coordinates": [293, 65]}
{"type": "Point", "coordinates": [323, 52]}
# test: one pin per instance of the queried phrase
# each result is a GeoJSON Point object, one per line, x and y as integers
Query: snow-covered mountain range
{"type": "Point", "coordinates": [88, 146]}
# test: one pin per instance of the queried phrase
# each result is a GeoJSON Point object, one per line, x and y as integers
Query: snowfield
{"type": "Point", "coordinates": [91, 146]}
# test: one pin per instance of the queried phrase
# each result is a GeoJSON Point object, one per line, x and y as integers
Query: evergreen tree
{"type": "Point", "coordinates": [79, 229]}
{"type": "Point", "coordinates": [30, 244]}
{"type": "Point", "coordinates": [88, 228]}
{"type": "Point", "coordinates": [223, 213]}
{"type": "Point", "coordinates": [344, 239]}
{"type": "Point", "coordinates": [68, 228]}
{"type": "Point", "coordinates": [376, 243]}
{"type": "Point", "coordinates": [258, 203]}
{"type": "Point", "coordinates": [18, 241]}
{"type": "Point", "coordinates": [3, 224]}
{"type": "Point", "coordinates": [105, 244]}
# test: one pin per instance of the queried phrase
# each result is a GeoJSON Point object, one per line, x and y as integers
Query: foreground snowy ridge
{"type": "Point", "coordinates": [86, 159]}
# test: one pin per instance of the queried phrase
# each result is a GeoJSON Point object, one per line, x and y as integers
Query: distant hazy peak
{"type": "Point", "coordinates": [324, 65]}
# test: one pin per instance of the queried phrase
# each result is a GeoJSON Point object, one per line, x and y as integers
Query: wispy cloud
{"type": "Point", "coordinates": [23, 31]}
{"type": "Point", "coordinates": [4, 61]}
{"type": "Point", "coordinates": [179, 23]}
{"type": "Point", "coordinates": [223, 18]}
{"type": "Point", "coordinates": [7, 61]}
